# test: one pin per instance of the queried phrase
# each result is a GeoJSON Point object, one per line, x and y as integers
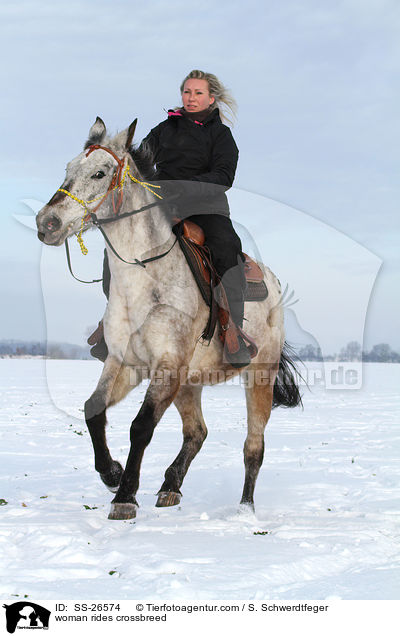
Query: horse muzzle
{"type": "Point", "coordinates": [49, 226]}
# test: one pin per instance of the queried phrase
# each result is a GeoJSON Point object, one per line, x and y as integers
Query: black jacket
{"type": "Point", "coordinates": [200, 159]}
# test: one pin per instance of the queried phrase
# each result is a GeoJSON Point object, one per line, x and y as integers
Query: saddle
{"type": "Point", "coordinates": [192, 242]}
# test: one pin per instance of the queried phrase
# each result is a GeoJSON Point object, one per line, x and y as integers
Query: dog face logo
{"type": "Point", "coordinates": [23, 615]}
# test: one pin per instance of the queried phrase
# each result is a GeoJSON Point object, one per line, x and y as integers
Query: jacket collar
{"type": "Point", "coordinates": [179, 112]}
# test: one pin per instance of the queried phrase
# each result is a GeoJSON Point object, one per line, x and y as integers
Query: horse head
{"type": "Point", "coordinates": [97, 172]}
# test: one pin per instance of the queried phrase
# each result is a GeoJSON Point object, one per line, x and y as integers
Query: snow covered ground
{"type": "Point", "coordinates": [327, 522]}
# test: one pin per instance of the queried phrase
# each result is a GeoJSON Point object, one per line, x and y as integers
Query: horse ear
{"type": "Point", "coordinates": [131, 132]}
{"type": "Point", "coordinates": [123, 140]}
{"type": "Point", "coordinates": [96, 133]}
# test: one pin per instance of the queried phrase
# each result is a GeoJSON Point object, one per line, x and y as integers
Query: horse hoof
{"type": "Point", "coordinates": [168, 499]}
{"type": "Point", "coordinates": [122, 511]}
{"type": "Point", "coordinates": [112, 477]}
{"type": "Point", "coordinates": [246, 508]}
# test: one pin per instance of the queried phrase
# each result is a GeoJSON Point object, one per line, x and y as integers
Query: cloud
{"type": "Point", "coordinates": [316, 85]}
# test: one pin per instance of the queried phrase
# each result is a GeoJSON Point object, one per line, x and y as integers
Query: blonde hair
{"type": "Point", "coordinates": [222, 96]}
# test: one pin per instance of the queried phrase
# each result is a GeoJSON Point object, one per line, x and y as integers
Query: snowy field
{"type": "Point", "coordinates": [327, 522]}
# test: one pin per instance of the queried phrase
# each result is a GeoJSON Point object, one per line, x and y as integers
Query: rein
{"type": "Point", "coordinates": [117, 182]}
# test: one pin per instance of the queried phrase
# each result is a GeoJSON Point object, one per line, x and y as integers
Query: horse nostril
{"type": "Point", "coordinates": [52, 224]}
{"type": "Point", "coordinates": [41, 236]}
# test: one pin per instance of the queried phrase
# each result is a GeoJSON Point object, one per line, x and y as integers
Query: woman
{"type": "Point", "coordinates": [195, 157]}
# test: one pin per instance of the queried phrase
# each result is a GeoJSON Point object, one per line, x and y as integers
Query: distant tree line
{"type": "Point", "coordinates": [53, 350]}
{"type": "Point", "coordinates": [352, 352]}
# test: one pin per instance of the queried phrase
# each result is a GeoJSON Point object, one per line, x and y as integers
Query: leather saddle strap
{"type": "Point", "coordinates": [213, 314]}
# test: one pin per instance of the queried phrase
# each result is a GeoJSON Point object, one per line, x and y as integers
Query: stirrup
{"type": "Point", "coordinates": [100, 350]}
{"type": "Point", "coordinates": [239, 348]}
{"type": "Point", "coordinates": [251, 344]}
{"type": "Point", "coordinates": [239, 358]}
{"type": "Point", "coordinates": [97, 334]}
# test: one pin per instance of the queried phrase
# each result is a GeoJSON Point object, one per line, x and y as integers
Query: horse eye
{"type": "Point", "coordinates": [98, 175]}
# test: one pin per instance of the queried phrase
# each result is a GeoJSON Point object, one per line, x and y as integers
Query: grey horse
{"type": "Point", "coordinates": [154, 321]}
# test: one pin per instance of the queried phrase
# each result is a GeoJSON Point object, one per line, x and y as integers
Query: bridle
{"type": "Point", "coordinates": [117, 183]}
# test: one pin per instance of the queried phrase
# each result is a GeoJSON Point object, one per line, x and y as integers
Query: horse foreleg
{"type": "Point", "coordinates": [259, 404]}
{"type": "Point", "coordinates": [113, 385]}
{"type": "Point", "coordinates": [188, 403]}
{"type": "Point", "coordinates": [158, 398]}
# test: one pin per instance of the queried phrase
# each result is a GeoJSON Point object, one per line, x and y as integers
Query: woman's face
{"type": "Point", "coordinates": [196, 96]}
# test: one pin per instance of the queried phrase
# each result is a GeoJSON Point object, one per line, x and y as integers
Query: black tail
{"type": "Point", "coordinates": [286, 387]}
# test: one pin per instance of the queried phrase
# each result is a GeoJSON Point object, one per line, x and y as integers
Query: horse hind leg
{"type": "Point", "coordinates": [259, 398]}
{"type": "Point", "coordinates": [113, 386]}
{"type": "Point", "coordinates": [188, 403]}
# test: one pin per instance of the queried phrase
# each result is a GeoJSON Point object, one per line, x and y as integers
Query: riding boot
{"type": "Point", "coordinates": [231, 314]}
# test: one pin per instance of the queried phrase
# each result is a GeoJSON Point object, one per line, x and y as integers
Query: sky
{"type": "Point", "coordinates": [316, 191]}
